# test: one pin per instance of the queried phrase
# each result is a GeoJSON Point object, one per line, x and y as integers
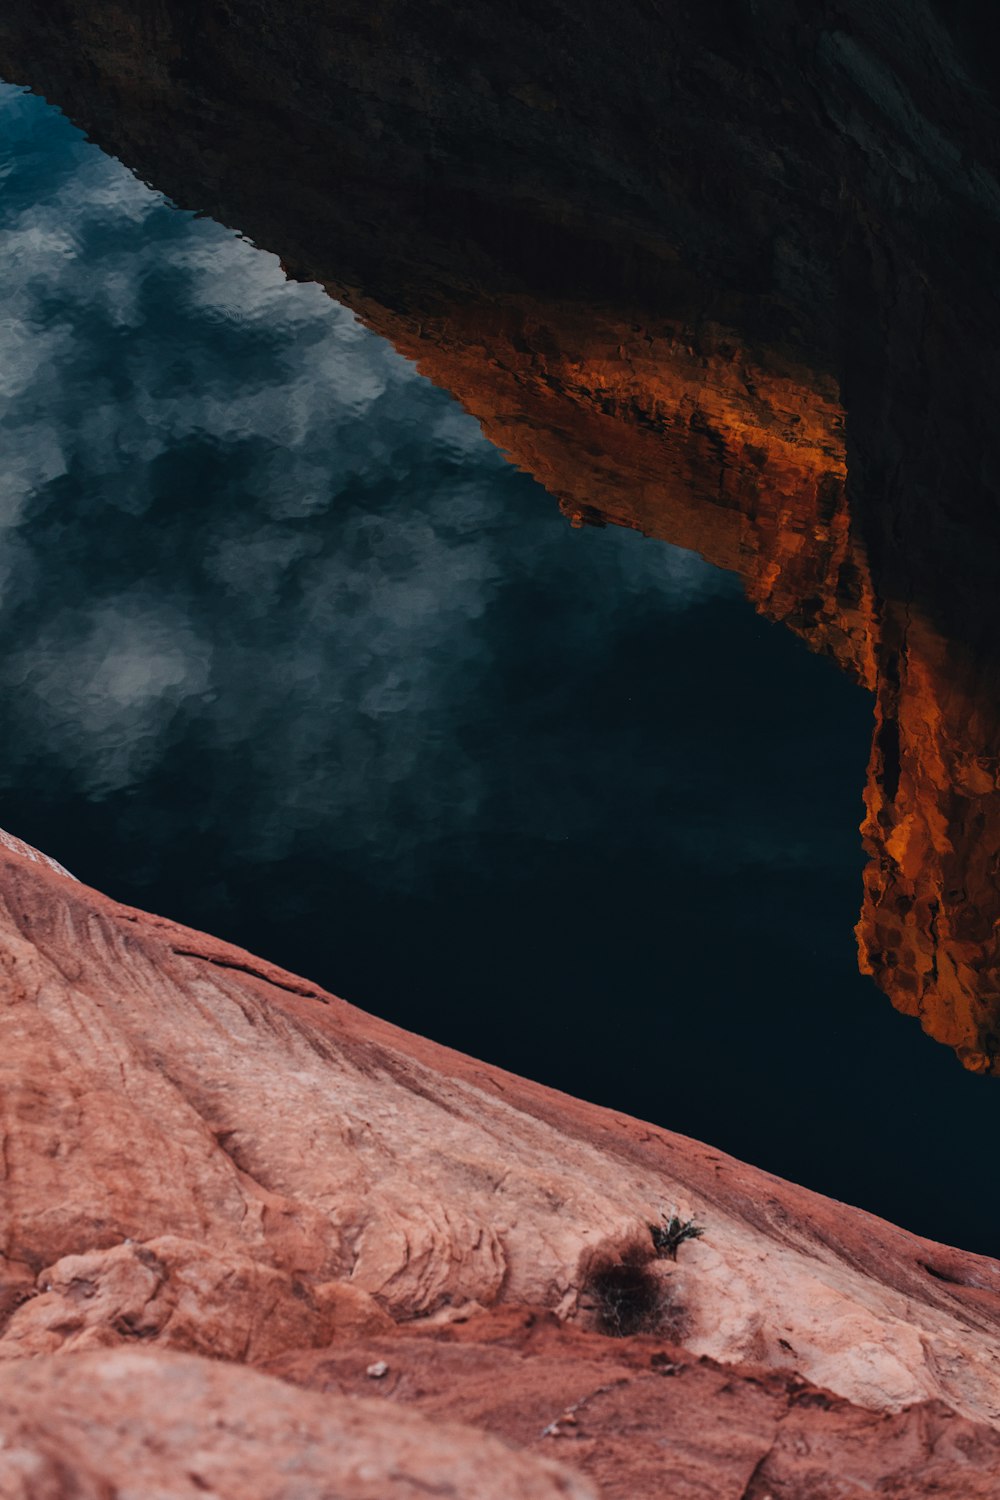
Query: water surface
{"type": "Point", "coordinates": [292, 654]}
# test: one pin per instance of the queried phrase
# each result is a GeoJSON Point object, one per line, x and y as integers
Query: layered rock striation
{"type": "Point", "coordinates": [122, 1423]}
{"type": "Point", "coordinates": [204, 1156]}
{"type": "Point", "coordinates": [719, 274]}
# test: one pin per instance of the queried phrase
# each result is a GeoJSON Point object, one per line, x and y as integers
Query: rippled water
{"type": "Point", "coordinates": [291, 653]}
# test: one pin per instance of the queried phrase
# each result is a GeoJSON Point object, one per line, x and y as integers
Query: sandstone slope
{"type": "Point", "coordinates": [202, 1153]}
{"type": "Point", "coordinates": [127, 1425]}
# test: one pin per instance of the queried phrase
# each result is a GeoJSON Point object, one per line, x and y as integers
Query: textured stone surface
{"type": "Point", "coordinates": [185, 1296]}
{"type": "Point", "coordinates": [121, 1423]}
{"type": "Point", "coordinates": [721, 272]}
{"type": "Point", "coordinates": [204, 1152]}
{"type": "Point", "coordinates": [576, 1415]}
{"type": "Point", "coordinates": [642, 1418]}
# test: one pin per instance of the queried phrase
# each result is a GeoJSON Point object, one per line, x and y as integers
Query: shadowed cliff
{"type": "Point", "coordinates": [722, 276]}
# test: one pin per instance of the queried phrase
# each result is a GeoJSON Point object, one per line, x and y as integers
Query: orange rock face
{"type": "Point", "coordinates": [677, 430]}
{"type": "Point", "coordinates": [684, 435]}
{"type": "Point", "coordinates": [206, 1155]}
{"type": "Point", "coordinates": [929, 926]}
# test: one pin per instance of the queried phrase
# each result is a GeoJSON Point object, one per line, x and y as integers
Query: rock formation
{"type": "Point", "coordinates": [720, 274]}
{"type": "Point", "coordinates": [121, 1423]}
{"type": "Point", "coordinates": [206, 1156]}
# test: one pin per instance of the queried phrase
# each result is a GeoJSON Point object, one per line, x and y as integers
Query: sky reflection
{"type": "Point", "coordinates": [292, 654]}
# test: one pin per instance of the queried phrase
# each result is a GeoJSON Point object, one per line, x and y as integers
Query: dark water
{"type": "Point", "coordinates": [290, 653]}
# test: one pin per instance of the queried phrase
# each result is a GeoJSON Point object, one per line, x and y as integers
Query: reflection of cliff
{"type": "Point", "coordinates": [721, 275]}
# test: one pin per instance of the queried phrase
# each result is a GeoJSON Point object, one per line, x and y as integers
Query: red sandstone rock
{"type": "Point", "coordinates": [203, 1152]}
{"type": "Point", "coordinates": [186, 1296]}
{"type": "Point", "coordinates": [228, 1124]}
{"type": "Point", "coordinates": [126, 1424]}
{"type": "Point", "coordinates": [641, 1418]}
{"type": "Point", "coordinates": [739, 455]}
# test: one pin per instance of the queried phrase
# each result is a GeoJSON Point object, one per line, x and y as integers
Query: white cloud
{"type": "Point", "coordinates": [108, 681]}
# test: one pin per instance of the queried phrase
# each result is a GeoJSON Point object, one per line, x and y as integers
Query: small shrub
{"type": "Point", "coordinates": [628, 1295]}
{"type": "Point", "coordinates": [669, 1235]}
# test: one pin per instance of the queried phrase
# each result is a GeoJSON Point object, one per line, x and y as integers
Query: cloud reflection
{"type": "Point", "coordinates": [240, 532]}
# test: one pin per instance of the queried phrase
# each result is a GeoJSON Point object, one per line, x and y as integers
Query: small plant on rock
{"type": "Point", "coordinates": [671, 1233]}
{"type": "Point", "coordinates": [627, 1294]}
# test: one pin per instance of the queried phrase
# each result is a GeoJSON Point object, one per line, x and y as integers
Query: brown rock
{"type": "Point", "coordinates": [641, 1418]}
{"type": "Point", "coordinates": [184, 1296]}
{"type": "Point", "coordinates": [258, 1141]}
{"type": "Point", "coordinates": [124, 1423]}
{"type": "Point", "coordinates": [646, 268]}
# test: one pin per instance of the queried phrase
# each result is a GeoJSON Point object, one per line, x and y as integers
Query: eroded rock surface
{"type": "Point", "coordinates": [126, 1424]}
{"type": "Point", "coordinates": [507, 1406]}
{"type": "Point", "coordinates": [204, 1154]}
{"type": "Point", "coordinates": [643, 1418]}
{"type": "Point", "coordinates": [721, 274]}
